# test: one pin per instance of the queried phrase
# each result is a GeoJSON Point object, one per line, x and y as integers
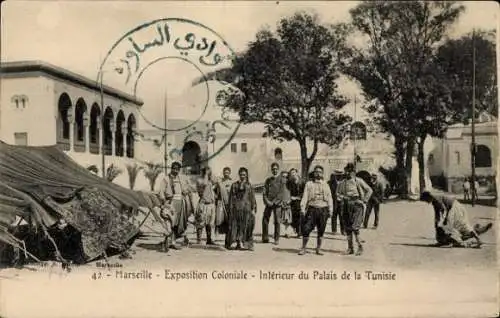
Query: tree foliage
{"type": "Point", "coordinates": [151, 172]}
{"type": "Point", "coordinates": [287, 81]}
{"type": "Point", "coordinates": [397, 68]}
{"type": "Point", "coordinates": [455, 58]}
{"type": "Point", "coordinates": [112, 172]}
{"type": "Point", "coordinates": [133, 171]}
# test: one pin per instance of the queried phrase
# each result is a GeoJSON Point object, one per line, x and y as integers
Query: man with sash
{"type": "Point", "coordinates": [176, 191]}
{"type": "Point", "coordinates": [354, 194]}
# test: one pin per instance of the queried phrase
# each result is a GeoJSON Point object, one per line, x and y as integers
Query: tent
{"type": "Point", "coordinates": [43, 186]}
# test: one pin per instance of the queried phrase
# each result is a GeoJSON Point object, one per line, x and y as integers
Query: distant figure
{"type": "Point", "coordinates": [273, 188]}
{"type": "Point", "coordinates": [205, 212]}
{"type": "Point", "coordinates": [474, 190]}
{"type": "Point", "coordinates": [451, 222]}
{"type": "Point", "coordinates": [316, 206]}
{"type": "Point", "coordinates": [333, 183]}
{"type": "Point", "coordinates": [374, 202]}
{"type": "Point", "coordinates": [354, 193]}
{"type": "Point", "coordinates": [466, 187]}
{"type": "Point", "coordinates": [242, 210]}
{"type": "Point", "coordinates": [296, 187]}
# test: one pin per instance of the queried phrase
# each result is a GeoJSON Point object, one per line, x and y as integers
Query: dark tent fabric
{"type": "Point", "coordinates": [44, 184]}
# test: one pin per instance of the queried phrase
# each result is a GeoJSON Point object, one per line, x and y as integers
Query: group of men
{"type": "Point", "coordinates": [228, 207]}
{"type": "Point", "coordinates": [302, 205]}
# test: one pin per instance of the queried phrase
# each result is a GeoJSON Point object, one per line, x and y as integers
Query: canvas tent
{"type": "Point", "coordinates": [42, 185]}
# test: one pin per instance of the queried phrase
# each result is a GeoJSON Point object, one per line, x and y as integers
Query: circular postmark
{"type": "Point", "coordinates": [204, 51]}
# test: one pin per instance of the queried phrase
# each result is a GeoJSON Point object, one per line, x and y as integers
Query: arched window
{"type": "Point", "coordinates": [483, 156]}
{"type": "Point", "coordinates": [278, 154]}
{"type": "Point", "coordinates": [358, 131]}
{"type": "Point", "coordinates": [95, 114]}
{"type": "Point", "coordinates": [130, 135]}
{"type": "Point", "coordinates": [64, 112]}
{"type": "Point", "coordinates": [107, 127]}
{"type": "Point", "coordinates": [80, 110]}
{"type": "Point", "coordinates": [120, 122]}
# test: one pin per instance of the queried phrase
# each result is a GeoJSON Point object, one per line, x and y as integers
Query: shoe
{"type": "Point", "coordinates": [211, 242]}
{"type": "Point", "coordinates": [174, 247]}
{"type": "Point", "coordinates": [238, 247]}
{"type": "Point", "coordinates": [359, 251]}
{"type": "Point", "coordinates": [318, 252]}
{"type": "Point", "coordinates": [349, 251]}
{"type": "Point", "coordinates": [482, 229]}
{"type": "Point", "coordinates": [302, 251]}
{"type": "Point", "coordinates": [286, 236]}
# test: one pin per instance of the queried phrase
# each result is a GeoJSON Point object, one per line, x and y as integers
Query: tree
{"type": "Point", "coordinates": [455, 59]}
{"type": "Point", "coordinates": [286, 80]}
{"type": "Point", "coordinates": [133, 171]}
{"type": "Point", "coordinates": [112, 172]}
{"type": "Point", "coordinates": [151, 172]}
{"type": "Point", "coordinates": [401, 40]}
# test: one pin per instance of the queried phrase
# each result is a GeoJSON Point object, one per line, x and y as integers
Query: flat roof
{"type": "Point", "coordinates": [64, 74]}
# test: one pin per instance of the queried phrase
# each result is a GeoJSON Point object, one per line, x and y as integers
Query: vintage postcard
{"type": "Point", "coordinates": [249, 159]}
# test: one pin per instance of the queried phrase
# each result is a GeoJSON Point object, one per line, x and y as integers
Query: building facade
{"type": "Point", "coordinates": [42, 104]}
{"type": "Point", "coordinates": [450, 161]}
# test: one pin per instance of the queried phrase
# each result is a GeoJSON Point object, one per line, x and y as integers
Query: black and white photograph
{"type": "Point", "coordinates": [249, 159]}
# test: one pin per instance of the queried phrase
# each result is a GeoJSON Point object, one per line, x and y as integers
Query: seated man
{"type": "Point", "coordinates": [451, 222]}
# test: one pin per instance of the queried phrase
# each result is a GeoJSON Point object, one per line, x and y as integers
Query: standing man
{"type": "Point", "coordinates": [222, 199]}
{"type": "Point", "coordinates": [374, 202]}
{"type": "Point", "coordinates": [337, 215]}
{"type": "Point", "coordinates": [466, 187]}
{"type": "Point", "coordinates": [296, 187]}
{"type": "Point", "coordinates": [176, 191]}
{"type": "Point", "coordinates": [272, 201]}
{"type": "Point", "coordinates": [316, 206]}
{"type": "Point", "coordinates": [354, 194]}
{"type": "Point", "coordinates": [205, 212]}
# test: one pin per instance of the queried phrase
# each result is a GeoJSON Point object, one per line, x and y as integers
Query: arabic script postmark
{"type": "Point", "coordinates": [147, 45]}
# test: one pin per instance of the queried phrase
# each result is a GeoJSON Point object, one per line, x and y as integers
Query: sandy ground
{"type": "Point", "coordinates": [428, 281]}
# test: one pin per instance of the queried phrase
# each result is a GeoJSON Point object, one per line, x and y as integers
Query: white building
{"type": "Point", "coordinates": [450, 160]}
{"type": "Point", "coordinates": [42, 104]}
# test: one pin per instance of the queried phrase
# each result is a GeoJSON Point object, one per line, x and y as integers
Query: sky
{"type": "Point", "coordinates": [76, 35]}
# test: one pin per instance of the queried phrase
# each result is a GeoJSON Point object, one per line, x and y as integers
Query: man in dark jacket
{"type": "Point", "coordinates": [375, 200]}
{"type": "Point", "coordinates": [337, 214]}
{"type": "Point", "coordinates": [273, 188]}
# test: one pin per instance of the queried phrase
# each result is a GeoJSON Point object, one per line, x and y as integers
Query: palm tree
{"type": "Point", "coordinates": [151, 172]}
{"type": "Point", "coordinates": [112, 172]}
{"type": "Point", "coordinates": [133, 171]}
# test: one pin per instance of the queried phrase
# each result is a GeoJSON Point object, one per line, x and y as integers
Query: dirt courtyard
{"type": "Point", "coordinates": [415, 280]}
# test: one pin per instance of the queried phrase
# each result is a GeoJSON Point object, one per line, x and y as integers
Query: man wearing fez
{"type": "Point", "coordinates": [316, 206]}
{"type": "Point", "coordinates": [273, 189]}
{"type": "Point", "coordinates": [176, 191]}
{"type": "Point", "coordinates": [354, 193]}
